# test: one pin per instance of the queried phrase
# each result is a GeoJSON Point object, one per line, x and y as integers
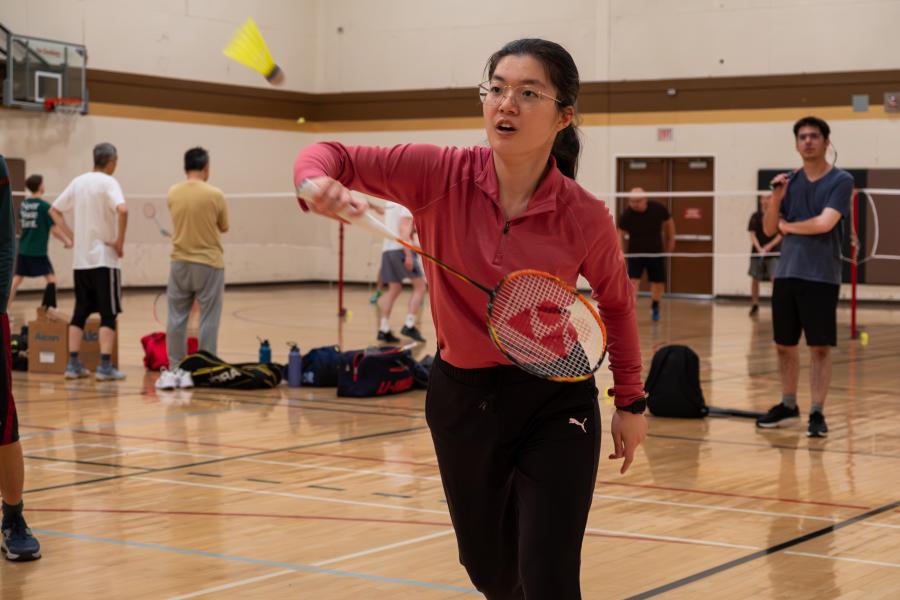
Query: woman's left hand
{"type": "Point", "coordinates": [628, 431]}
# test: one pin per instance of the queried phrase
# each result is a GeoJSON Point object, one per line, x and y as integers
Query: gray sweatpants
{"type": "Point", "coordinates": [188, 281]}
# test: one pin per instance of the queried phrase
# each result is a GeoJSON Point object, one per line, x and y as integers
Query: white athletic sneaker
{"type": "Point", "coordinates": [168, 380]}
{"type": "Point", "coordinates": [184, 378]}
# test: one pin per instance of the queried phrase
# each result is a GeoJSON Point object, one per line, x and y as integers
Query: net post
{"type": "Point", "coordinates": [854, 253]}
{"type": "Point", "coordinates": [341, 310]}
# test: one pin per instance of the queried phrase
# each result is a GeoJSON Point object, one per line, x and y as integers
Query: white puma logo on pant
{"type": "Point", "coordinates": [580, 424]}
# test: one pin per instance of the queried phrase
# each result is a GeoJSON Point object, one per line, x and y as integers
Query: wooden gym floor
{"type": "Point", "coordinates": [295, 493]}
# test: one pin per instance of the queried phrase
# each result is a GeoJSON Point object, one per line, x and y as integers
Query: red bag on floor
{"type": "Point", "coordinates": [155, 355]}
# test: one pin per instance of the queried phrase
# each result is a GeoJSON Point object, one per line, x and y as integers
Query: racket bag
{"type": "Point", "coordinates": [320, 366]}
{"type": "Point", "coordinates": [375, 372]}
{"type": "Point", "coordinates": [673, 384]}
{"type": "Point", "coordinates": [208, 370]}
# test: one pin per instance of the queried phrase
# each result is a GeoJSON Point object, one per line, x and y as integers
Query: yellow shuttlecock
{"type": "Point", "coordinates": [248, 48]}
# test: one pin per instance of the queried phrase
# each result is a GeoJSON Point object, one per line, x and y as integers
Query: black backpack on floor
{"type": "Point", "coordinates": [673, 385]}
{"type": "Point", "coordinates": [320, 366]}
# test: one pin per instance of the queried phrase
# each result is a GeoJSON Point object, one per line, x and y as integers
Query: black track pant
{"type": "Point", "coordinates": [518, 459]}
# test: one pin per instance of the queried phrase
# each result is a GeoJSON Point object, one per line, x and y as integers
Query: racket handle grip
{"type": "Point", "coordinates": [308, 190]}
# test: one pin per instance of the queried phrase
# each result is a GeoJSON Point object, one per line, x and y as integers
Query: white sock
{"type": "Point", "coordinates": [385, 325]}
{"type": "Point", "coordinates": [410, 320]}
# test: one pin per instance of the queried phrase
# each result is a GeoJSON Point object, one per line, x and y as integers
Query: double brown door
{"type": "Point", "coordinates": [693, 215]}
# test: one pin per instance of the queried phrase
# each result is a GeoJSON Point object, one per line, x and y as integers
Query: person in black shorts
{"type": "Point", "coordinates": [808, 208]}
{"type": "Point", "coordinates": [101, 218]}
{"type": "Point", "coordinates": [762, 261]}
{"type": "Point", "coordinates": [650, 230]}
{"type": "Point", "coordinates": [17, 543]}
{"type": "Point", "coordinates": [37, 226]}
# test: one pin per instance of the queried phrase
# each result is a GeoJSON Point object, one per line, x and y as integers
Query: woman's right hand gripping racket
{"type": "Point", "coordinates": [538, 321]}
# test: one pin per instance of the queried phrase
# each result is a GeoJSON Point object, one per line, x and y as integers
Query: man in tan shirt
{"type": "Point", "coordinates": [200, 216]}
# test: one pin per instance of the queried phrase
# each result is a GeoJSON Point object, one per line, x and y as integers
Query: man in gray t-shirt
{"type": "Point", "coordinates": [810, 206]}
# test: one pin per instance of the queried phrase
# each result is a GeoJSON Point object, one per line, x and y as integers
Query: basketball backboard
{"type": "Point", "coordinates": [39, 69]}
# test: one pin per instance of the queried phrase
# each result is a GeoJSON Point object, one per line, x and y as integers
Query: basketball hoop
{"type": "Point", "coordinates": [64, 110]}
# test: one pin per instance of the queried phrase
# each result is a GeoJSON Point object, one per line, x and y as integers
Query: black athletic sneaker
{"type": "Point", "coordinates": [412, 332]}
{"type": "Point", "coordinates": [778, 416]}
{"type": "Point", "coordinates": [388, 337]}
{"type": "Point", "coordinates": [18, 543]}
{"type": "Point", "coordinates": [817, 426]}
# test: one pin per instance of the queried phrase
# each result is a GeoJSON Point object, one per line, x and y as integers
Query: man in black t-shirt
{"type": "Point", "coordinates": [762, 261]}
{"type": "Point", "coordinates": [650, 230]}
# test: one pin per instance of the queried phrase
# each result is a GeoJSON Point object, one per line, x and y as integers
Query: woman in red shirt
{"type": "Point", "coordinates": [518, 455]}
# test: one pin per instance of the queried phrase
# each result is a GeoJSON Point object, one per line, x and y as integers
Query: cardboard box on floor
{"type": "Point", "coordinates": [48, 343]}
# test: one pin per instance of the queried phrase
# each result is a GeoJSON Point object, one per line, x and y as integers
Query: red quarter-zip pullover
{"type": "Point", "coordinates": [453, 195]}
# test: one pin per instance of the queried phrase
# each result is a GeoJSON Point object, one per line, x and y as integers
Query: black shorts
{"type": "Point", "coordinates": [394, 271]}
{"type": "Point", "coordinates": [97, 290]}
{"type": "Point", "coordinates": [807, 306]}
{"type": "Point", "coordinates": [763, 267]}
{"type": "Point", "coordinates": [9, 421]}
{"type": "Point", "coordinates": [33, 266]}
{"type": "Point", "coordinates": [655, 266]}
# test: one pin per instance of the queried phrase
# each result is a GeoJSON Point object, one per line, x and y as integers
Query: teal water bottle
{"type": "Point", "coordinates": [265, 352]}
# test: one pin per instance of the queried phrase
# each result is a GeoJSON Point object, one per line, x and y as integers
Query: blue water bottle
{"type": "Point", "coordinates": [265, 352]}
{"type": "Point", "coordinates": [295, 364]}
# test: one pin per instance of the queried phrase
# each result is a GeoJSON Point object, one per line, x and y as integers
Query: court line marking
{"type": "Point", "coordinates": [340, 469]}
{"type": "Point", "coordinates": [259, 562]}
{"type": "Point", "coordinates": [646, 537]}
{"type": "Point", "coordinates": [126, 423]}
{"type": "Point", "coordinates": [325, 442]}
{"type": "Point", "coordinates": [222, 514]}
{"type": "Point", "coordinates": [693, 506]}
{"type": "Point", "coordinates": [717, 507]}
{"type": "Point", "coordinates": [64, 470]}
{"type": "Point", "coordinates": [231, 586]}
{"type": "Point", "coordinates": [232, 488]}
{"type": "Point", "coordinates": [666, 488]}
{"type": "Point", "coordinates": [321, 563]}
{"type": "Point", "coordinates": [377, 549]}
{"type": "Point", "coordinates": [679, 583]}
{"type": "Point", "coordinates": [697, 542]}
{"type": "Point", "coordinates": [433, 466]}
{"type": "Point", "coordinates": [822, 450]}
{"type": "Point", "coordinates": [668, 538]}
{"type": "Point", "coordinates": [877, 563]}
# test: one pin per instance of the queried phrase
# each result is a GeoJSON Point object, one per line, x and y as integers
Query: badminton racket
{"type": "Point", "coordinates": [538, 321]}
{"type": "Point", "coordinates": [150, 213]}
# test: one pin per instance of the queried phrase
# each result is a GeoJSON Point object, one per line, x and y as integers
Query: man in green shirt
{"type": "Point", "coordinates": [34, 218]}
{"type": "Point", "coordinates": [17, 541]}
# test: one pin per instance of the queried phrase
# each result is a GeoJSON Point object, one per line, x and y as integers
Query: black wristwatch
{"type": "Point", "coordinates": [637, 407]}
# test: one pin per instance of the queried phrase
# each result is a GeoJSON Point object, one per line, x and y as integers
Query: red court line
{"type": "Point", "coordinates": [192, 513]}
{"type": "Point", "coordinates": [432, 465]}
{"type": "Point", "coordinates": [733, 495]}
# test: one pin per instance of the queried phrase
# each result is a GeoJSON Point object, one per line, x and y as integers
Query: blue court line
{"type": "Point", "coordinates": [260, 562]}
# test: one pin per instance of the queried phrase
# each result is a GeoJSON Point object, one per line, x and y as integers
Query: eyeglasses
{"type": "Point", "coordinates": [523, 95]}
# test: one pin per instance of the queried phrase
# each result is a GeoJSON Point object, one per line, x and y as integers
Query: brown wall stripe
{"type": "Point", "coordinates": [701, 94]}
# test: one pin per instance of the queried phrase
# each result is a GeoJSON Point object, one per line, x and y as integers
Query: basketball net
{"type": "Point", "coordinates": [63, 111]}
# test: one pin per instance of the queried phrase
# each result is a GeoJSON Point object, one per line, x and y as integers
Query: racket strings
{"type": "Point", "coordinates": [546, 327]}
